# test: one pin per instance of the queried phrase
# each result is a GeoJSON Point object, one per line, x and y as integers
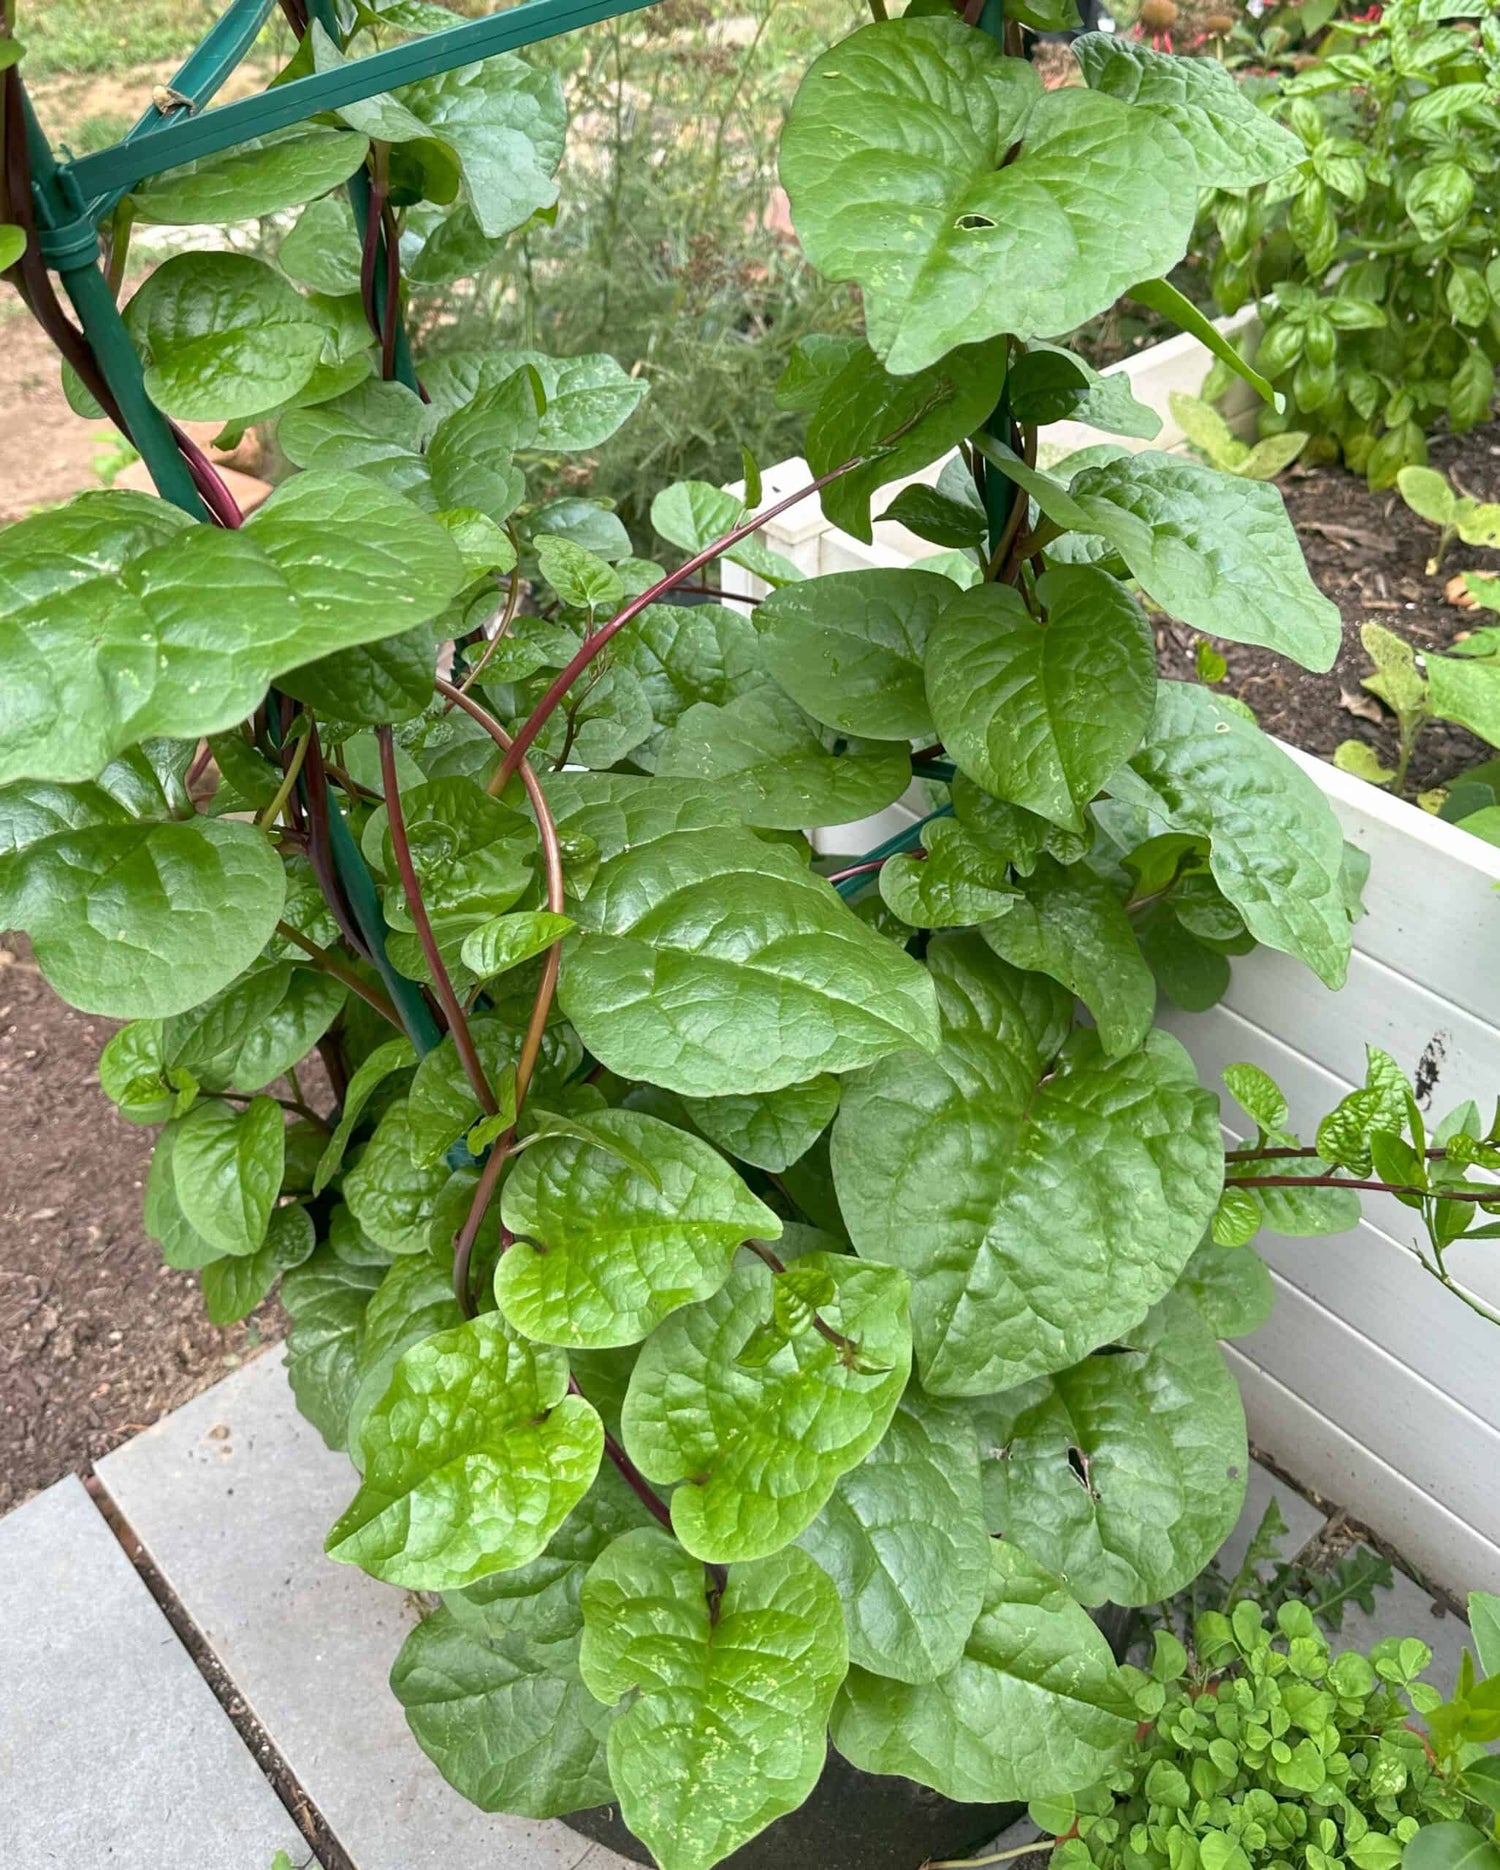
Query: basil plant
{"type": "Point", "coordinates": [758, 1301]}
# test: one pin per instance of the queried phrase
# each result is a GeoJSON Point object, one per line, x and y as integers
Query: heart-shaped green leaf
{"type": "Point", "coordinates": [741, 1436]}
{"type": "Point", "coordinates": [728, 1727]}
{"type": "Point", "coordinates": [506, 122]}
{"type": "Point", "coordinates": [1039, 713]}
{"type": "Point", "coordinates": [898, 157]}
{"type": "Point", "coordinates": [235, 1285]}
{"type": "Point", "coordinates": [601, 1254]}
{"type": "Point", "coordinates": [1035, 1708]}
{"type": "Point", "coordinates": [588, 397]}
{"type": "Point", "coordinates": [326, 1299]}
{"type": "Point", "coordinates": [227, 1165]}
{"type": "Point", "coordinates": [260, 177]}
{"type": "Point", "coordinates": [472, 1459]}
{"type": "Point", "coordinates": [771, 1129]}
{"type": "Point", "coordinates": [903, 1538]}
{"type": "Point", "coordinates": [712, 963]}
{"type": "Point", "coordinates": [956, 1167]}
{"type": "Point", "coordinates": [1125, 1473]}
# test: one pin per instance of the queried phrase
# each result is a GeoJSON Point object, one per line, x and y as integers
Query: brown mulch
{"type": "Point", "coordinates": [1369, 553]}
{"type": "Point", "coordinates": [97, 1338]}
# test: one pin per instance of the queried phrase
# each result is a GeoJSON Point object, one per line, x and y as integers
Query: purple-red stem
{"type": "Point", "coordinates": [1379, 1188]}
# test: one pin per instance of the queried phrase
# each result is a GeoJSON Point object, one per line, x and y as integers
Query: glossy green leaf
{"type": "Point", "coordinates": [581, 581]}
{"type": "Point", "coordinates": [326, 1299]}
{"type": "Point", "coordinates": [389, 1192]}
{"type": "Point", "coordinates": [260, 177]}
{"type": "Point", "coordinates": [1234, 143]}
{"type": "Point", "coordinates": [1034, 1708]}
{"type": "Point", "coordinates": [245, 1037]}
{"type": "Point", "coordinates": [771, 1129]}
{"type": "Point", "coordinates": [1125, 1473]}
{"type": "Point", "coordinates": [1214, 550]}
{"type": "Point", "coordinates": [678, 933]}
{"type": "Point", "coordinates": [588, 397]}
{"type": "Point", "coordinates": [182, 1246]}
{"type": "Point", "coordinates": [1069, 922]}
{"type": "Point", "coordinates": [848, 648]}
{"type": "Point", "coordinates": [896, 157]}
{"type": "Point", "coordinates": [1467, 690]}
{"type": "Point", "coordinates": [961, 880]}
{"type": "Point", "coordinates": [1230, 1285]}
{"type": "Point", "coordinates": [784, 769]}
{"type": "Point", "coordinates": [413, 1301]}
{"type": "Point", "coordinates": [472, 855]}
{"type": "Point", "coordinates": [727, 1728]}
{"type": "Point", "coordinates": [1450, 1845]}
{"type": "Point", "coordinates": [235, 1285]}
{"type": "Point", "coordinates": [957, 1166]}
{"type": "Point", "coordinates": [143, 921]}
{"type": "Point", "coordinates": [1042, 714]}
{"type": "Point", "coordinates": [506, 941]}
{"type": "Point", "coordinates": [896, 425]}
{"type": "Point", "coordinates": [743, 1437]}
{"type": "Point", "coordinates": [395, 1055]}
{"type": "Point", "coordinates": [471, 456]}
{"type": "Point", "coordinates": [683, 654]}
{"type": "Point", "coordinates": [226, 1166]}
{"type": "Point", "coordinates": [1050, 384]}
{"type": "Point", "coordinates": [616, 812]}
{"type": "Point", "coordinates": [472, 1459]}
{"type": "Point", "coordinates": [1275, 847]}
{"type": "Point", "coordinates": [694, 515]}
{"type": "Point", "coordinates": [222, 335]}
{"type": "Point", "coordinates": [602, 1254]}
{"type": "Point", "coordinates": [903, 1538]}
{"type": "Point", "coordinates": [378, 682]}
{"type": "Point", "coordinates": [323, 250]}
{"type": "Point", "coordinates": [506, 122]}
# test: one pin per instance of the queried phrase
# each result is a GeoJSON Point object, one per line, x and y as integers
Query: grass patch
{"type": "Point", "coordinates": [83, 38]}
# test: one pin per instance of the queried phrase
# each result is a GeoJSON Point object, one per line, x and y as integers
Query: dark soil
{"type": "Point", "coordinates": [97, 1338]}
{"type": "Point", "coordinates": [1369, 553]}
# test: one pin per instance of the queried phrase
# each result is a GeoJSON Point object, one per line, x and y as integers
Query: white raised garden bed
{"type": "Point", "coordinates": [1370, 1383]}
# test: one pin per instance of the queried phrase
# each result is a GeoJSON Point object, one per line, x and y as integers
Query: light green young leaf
{"type": "Point", "coordinates": [957, 1166]}
{"type": "Point", "coordinates": [395, 1055]}
{"type": "Point", "coordinates": [223, 335]}
{"type": "Point", "coordinates": [1216, 551]}
{"type": "Point", "coordinates": [959, 882]}
{"type": "Point", "coordinates": [506, 121]}
{"type": "Point", "coordinates": [263, 176]}
{"type": "Point", "coordinates": [1275, 848]}
{"type": "Point", "coordinates": [713, 963]}
{"type": "Point", "coordinates": [728, 1725]}
{"type": "Point", "coordinates": [1125, 1473]}
{"type": "Point", "coordinates": [323, 250]}
{"type": "Point", "coordinates": [1034, 1708]}
{"type": "Point", "coordinates": [949, 246]}
{"type": "Point", "coordinates": [1069, 922]}
{"type": "Point", "coordinates": [602, 1254]}
{"type": "Point", "coordinates": [783, 767]}
{"type": "Point", "coordinates": [848, 648]}
{"type": "Point", "coordinates": [1234, 143]}
{"type": "Point", "coordinates": [326, 1299]}
{"type": "Point", "coordinates": [771, 1129]}
{"type": "Point", "coordinates": [903, 1538]}
{"type": "Point", "coordinates": [1208, 432]}
{"type": "Point", "coordinates": [473, 1458]}
{"type": "Point", "coordinates": [235, 1285]}
{"type": "Point", "coordinates": [1467, 690]}
{"type": "Point", "coordinates": [741, 1435]}
{"type": "Point", "coordinates": [143, 921]}
{"type": "Point", "coordinates": [896, 425]}
{"type": "Point", "coordinates": [1258, 1094]}
{"type": "Point", "coordinates": [506, 941]}
{"type": "Point", "coordinates": [580, 580]}
{"type": "Point", "coordinates": [227, 1167]}
{"type": "Point", "coordinates": [1428, 494]}
{"type": "Point", "coordinates": [693, 514]}
{"type": "Point", "coordinates": [1041, 715]}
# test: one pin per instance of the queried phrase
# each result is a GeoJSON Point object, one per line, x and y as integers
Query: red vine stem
{"type": "Point", "coordinates": [544, 709]}
{"type": "Point", "coordinates": [1272, 1153]}
{"type": "Point", "coordinates": [330, 964]}
{"type": "Point", "coordinates": [820, 1323]}
{"type": "Point", "coordinates": [863, 868]}
{"type": "Point", "coordinates": [463, 1039]}
{"type": "Point", "coordinates": [629, 1472]}
{"type": "Point", "coordinates": [541, 1006]}
{"type": "Point", "coordinates": [1379, 1188]}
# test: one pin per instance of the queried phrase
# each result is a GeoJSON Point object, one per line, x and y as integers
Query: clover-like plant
{"type": "Point", "coordinates": [746, 1288]}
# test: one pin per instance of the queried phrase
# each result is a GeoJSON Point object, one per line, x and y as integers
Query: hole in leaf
{"type": "Point", "coordinates": [1078, 1461]}
{"type": "Point", "coordinates": [971, 223]}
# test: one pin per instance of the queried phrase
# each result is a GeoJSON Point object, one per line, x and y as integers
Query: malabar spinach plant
{"type": "Point", "coordinates": [753, 1297]}
{"type": "Point", "coordinates": [1375, 257]}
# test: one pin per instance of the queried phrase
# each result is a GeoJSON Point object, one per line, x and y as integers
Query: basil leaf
{"type": "Point", "coordinates": [669, 982]}
{"type": "Point", "coordinates": [255, 178]}
{"type": "Point", "coordinates": [848, 648]}
{"type": "Point", "coordinates": [780, 763]}
{"type": "Point", "coordinates": [1070, 923]}
{"type": "Point", "coordinates": [727, 1728]}
{"type": "Point", "coordinates": [903, 1538]}
{"type": "Point", "coordinates": [227, 1167]}
{"type": "Point", "coordinates": [951, 239]}
{"type": "Point", "coordinates": [1035, 1708]}
{"type": "Point", "coordinates": [326, 1299]}
{"type": "Point", "coordinates": [472, 1459]}
{"type": "Point", "coordinates": [957, 1166]}
{"type": "Point", "coordinates": [694, 1412]}
{"type": "Point", "coordinates": [1234, 143]}
{"type": "Point", "coordinates": [771, 1129]}
{"type": "Point", "coordinates": [601, 1254]}
{"type": "Point", "coordinates": [1125, 1473]}
{"type": "Point", "coordinates": [1275, 848]}
{"type": "Point", "coordinates": [1042, 714]}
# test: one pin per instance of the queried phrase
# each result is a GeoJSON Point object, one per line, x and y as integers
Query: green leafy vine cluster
{"type": "Point", "coordinates": [747, 1288]}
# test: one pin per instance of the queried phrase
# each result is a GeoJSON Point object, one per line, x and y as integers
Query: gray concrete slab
{"type": "Point", "coordinates": [1302, 1518]}
{"type": "Point", "coordinates": [114, 1754]}
{"type": "Point", "coordinates": [232, 1496]}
